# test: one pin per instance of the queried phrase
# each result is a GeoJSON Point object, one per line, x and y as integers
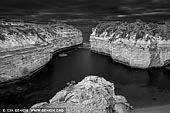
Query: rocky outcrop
{"type": "Point", "coordinates": [25, 47]}
{"type": "Point", "coordinates": [92, 95]}
{"type": "Point", "coordinates": [136, 44]}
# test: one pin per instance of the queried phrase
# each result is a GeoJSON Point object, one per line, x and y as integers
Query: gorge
{"type": "Point", "coordinates": [78, 64]}
{"type": "Point", "coordinates": [26, 47]}
{"type": "Point", "coordinates": [48, 55]}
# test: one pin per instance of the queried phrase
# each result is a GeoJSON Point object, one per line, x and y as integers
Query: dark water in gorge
{"type": "Point", "coordinates": [142, 88]}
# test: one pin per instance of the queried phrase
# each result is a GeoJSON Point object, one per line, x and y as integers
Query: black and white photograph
{"type": "Point", "coordinates": [84, 56]}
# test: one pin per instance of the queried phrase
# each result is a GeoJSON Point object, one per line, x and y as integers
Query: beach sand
{"type": "Point", "coordinates": [154, 109]}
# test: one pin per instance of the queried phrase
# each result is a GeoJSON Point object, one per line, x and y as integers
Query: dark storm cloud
{"type": "Point", "coordinates": [78, 6]}
{"type": "Point", "coordinates": [52, 3]}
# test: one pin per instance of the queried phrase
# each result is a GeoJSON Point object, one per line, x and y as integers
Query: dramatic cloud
{"type": "Point", "coordinates": [119, 7]}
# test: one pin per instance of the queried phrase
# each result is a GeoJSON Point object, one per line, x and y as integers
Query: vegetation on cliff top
{"type": "Point", "coordinates": [139, 28]}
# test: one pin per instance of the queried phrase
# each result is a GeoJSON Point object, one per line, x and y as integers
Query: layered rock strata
{"type": "Point", "coordinates": [25, 47]}
{"type": "Point", "coordinates": [92, 95]}
{"type": "Point", "coordinates": [136, 44]}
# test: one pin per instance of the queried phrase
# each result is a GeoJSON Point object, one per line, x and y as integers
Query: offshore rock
{"type": "Point", "coordinates": [92, 95]}
{"type": "Point", "coordinates": [136, 44]}
{"type": "Point", "coordinates": [25, 47]}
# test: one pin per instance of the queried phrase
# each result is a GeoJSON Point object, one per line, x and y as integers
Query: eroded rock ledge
{"type": "Point", "coordinates": [25, 47]}
{"type": "Point", "coordinates": [136, 44]}
{"type": "Point", "coordinates": [92, 95]}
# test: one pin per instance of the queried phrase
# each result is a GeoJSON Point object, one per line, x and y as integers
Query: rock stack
{"type": "Point", "coordinates": [25, 47]}
{"type": "Point", "coordinates": [136, 44]}
{"type": "Point", "coordinates": [92, 95]}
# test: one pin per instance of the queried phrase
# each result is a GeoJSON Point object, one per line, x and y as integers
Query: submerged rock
{"type": "Point", "coordinates": [62, 55]}
{"type": "Point", "coordinates": [137, 44]}
{"type": "Point", "coordinates": [168, 67]}
{"type": "Point", "coordinates": [92, 95]}
{"type": "Point", "coordinates": [25, 47]}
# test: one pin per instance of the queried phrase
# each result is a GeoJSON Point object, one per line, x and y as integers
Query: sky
{"type": "Point", "coordinates": [86, 8]}
{"type": "Point", "coordinates": [81, 4]}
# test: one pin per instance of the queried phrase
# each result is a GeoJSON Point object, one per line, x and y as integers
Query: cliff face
{"type": "Point", "coordinates": [25, 47]}
{"type": "Point", "coordinates": [22, 64]}
{"type": "Point", "coordinates": [92, 95]}
{"type": "Point", "coordinates": [137, 44]}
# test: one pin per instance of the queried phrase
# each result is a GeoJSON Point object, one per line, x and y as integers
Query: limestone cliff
{"type": "Point", "coordinates": [16, 35]}
{"type": "Point", "coordinates": [92, 95]}
{"type": "Point", "coordinates": [25, 47]}
{"type": "Point", "coordinates": [136, 44]}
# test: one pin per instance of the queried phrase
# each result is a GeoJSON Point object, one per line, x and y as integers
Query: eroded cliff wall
{"type": "Point", "coordinates": [136, 44]}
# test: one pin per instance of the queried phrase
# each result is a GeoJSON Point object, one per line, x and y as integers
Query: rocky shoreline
{"type": "Point", "coordinates": [91, 95]}
{"type": "Point", "coordinates": [137, 44]}
{"type": "Point", "coordinates": [26, 47]}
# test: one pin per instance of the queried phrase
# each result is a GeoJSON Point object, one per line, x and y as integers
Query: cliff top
{"type": "Point", "coordinates": [138, 28]}
{"type": "Point", "coordinates": [21, 30]}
